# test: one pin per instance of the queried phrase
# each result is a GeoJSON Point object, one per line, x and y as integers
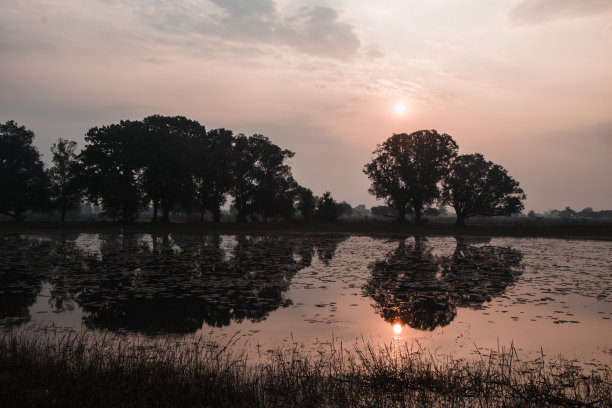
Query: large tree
{"type": "Point", "coordinates": [111, 168]}
{"type": "Point", "coordinates": [262, 181]}
{"type": "Point", "coordinates": [64, 176]}
{"type": "Point", "coordinates": [476, 186]}
{"type": "Point", "coordinates": [408, 168]}
{"type": "Point", "coordinates": [167, 157]}
{"type": "Point", "coordinates": [213, 171]}
{"type": "Point", "coordinates": [23, 182]}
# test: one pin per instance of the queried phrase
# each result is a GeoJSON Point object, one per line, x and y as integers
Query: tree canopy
{"type": "Point", "coordinates": [475, 186]}
{"type": "Point", "coordinates": [22, 176]}
{"type": "Point", "coordinates": [64, 176]}
{"type": "Point", "coordinates": [408, 168]}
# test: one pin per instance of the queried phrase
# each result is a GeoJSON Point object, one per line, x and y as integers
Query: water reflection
{"type": "Point", "coordinates": [157, 283]}
{"type": "Point", "coordinates": [415, 288]}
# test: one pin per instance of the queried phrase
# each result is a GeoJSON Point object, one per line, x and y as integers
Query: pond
{"type": "Point", "coordinates": [463, 297]}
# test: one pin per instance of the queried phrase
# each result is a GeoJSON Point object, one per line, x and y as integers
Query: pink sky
{"type": "Point", "coordinates": [526, 83]}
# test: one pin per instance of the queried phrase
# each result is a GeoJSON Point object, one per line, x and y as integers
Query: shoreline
{"type": "Point", "coordinates": [601, 230]}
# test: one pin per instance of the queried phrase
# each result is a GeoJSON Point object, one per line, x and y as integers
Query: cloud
{"type": "Point", "coordinates": [258, 24]}
{"type": "Point", "coordinates": [541, 11]}
{"type": "Point", "coordinates": [248, 8]}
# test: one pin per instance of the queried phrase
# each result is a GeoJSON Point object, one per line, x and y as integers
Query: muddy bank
{"type": "Point", "coordinates": [551, 229]}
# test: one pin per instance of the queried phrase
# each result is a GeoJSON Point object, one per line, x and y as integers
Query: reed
{"type": "Point", "coordinates": [100, 369]}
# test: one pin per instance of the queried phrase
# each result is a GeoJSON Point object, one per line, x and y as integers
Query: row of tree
{"type": "Point", "coordinates": [167, 163]}
{"type": "Point", "coordinates": [413, 171]}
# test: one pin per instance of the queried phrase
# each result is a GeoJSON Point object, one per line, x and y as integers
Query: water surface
{"type": "Point", "coordinates": [459, 296]}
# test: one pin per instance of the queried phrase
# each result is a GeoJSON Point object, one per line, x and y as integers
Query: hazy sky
{"type": "Point", "coordinates": [526, 83]}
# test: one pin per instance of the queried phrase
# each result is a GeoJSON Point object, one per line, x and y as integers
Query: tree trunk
{"type": "Point", "coordinates": [165, 213]}
{"type": "Point", "coordinates": [63, 213]}
{"type": "Point", "coordinates": [460, 220]}
{"type": "Point", "coordinates": [417, 215]}
{"type": "Point", "coordinates": [217, 213]}
{"type": "Point", "coordinates": [402, 214]}
{"type": "Point", "coordinates": [155, 205]}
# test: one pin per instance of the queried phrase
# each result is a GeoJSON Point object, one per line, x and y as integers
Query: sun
{"type": "Point", "coordinates": [400, 108]}
{"type": "Point", "coordinates": [397, 328]}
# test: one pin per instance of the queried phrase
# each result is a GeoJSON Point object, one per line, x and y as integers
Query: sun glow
{"type": "Point", "coordinates": [400, 108]}
{"type": "Point", "coordinates": [397, 328]}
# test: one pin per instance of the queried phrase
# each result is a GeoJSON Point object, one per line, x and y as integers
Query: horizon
{"type": "Point", "coordinates": [525, 83]}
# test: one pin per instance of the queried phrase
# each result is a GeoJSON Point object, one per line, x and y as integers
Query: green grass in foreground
{"type": "Point", "coordinates": [101, 370]}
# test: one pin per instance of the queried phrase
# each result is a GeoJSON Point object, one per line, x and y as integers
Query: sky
{"type": "Point", "coordinates": [527, 83]}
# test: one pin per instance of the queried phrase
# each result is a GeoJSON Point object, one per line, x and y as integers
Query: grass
{"type": "Point", "coordinates": [78, 369]}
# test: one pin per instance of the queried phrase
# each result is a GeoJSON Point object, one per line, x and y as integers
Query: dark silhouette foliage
{"type": "Point", "coordinates": [384, 211]}
{"type": "Point", "coordinates": [262, 181]}
{"type": "Point", "coordinates": [475, 186]}
{"type": "Point", "coordinates": [22, 178]}
{"type": "Point", "coordinates": [344, 209]}
{"type": "Point", "coordinates": [167, 156]}
{"type": "Point", "coordinates": [111, 165]}
{"type": "Point", "coordinates": [407, 169]}
{"type": "Point", "coordinates": [213, 171]}
{"type": "Point", "coordinates": [64, 177]}
{"type": "Point", "coordinates": [307, 202]}
{"type": "Point", "coordinates": [327, 208]}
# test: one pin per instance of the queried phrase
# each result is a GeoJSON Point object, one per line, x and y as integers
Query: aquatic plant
{"type": "Point", "coordinates": [69, 368]}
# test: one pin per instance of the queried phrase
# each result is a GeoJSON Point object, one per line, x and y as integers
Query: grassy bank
{"type": "Point", "coordinates": [521, 227]}
{"type": "Point", "coordinates": [100, 370]}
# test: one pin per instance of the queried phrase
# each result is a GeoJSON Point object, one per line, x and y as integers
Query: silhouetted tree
{"type": "Point", "coordinates": [213, 171]}
{"type": "Point", "coordinates": [476, 186]}
{"type": "Point", "coordinates": [384, 211]}
{"type": "Point", "coordinates": [275, 189]}
{"type": "Point", "coordinates": [64, 177]}
{"type": "Point", "coordinates": [327, 209]}
{"type": "Point", "coordinates": [111, 167]}
{"type": "Point", "coordinates": [23, 182]}
{"type": "Point", "coordinates": [344, 208]}
{"type": "Point", "coordinates": [407, 169]}
{"type": "Point", "coordinates": [262, 182]}
{"type": "Point", "coordinates": [243, 162]}
{"type": "Point", "coordinates": [307, 202]}
{"type": "Point", "coordinates": [167, 158]}
{"type": "Point", "coordinates": [567, 213]}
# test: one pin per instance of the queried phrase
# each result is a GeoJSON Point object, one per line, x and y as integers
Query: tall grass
{"type": "Point", "coordinates": [70, 369]}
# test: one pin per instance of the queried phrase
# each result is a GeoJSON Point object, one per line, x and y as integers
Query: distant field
{"type": "Point", "coordinates": [515, 227]}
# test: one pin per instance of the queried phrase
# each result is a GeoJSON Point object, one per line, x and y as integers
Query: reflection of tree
{"type": "Point", "coordinates": [176, 283]}
{"type": "Point", "coordinates": [156, 283]}
{"type": "Point", "coordinates": [480, 273]}
{"type": "Point", "coordinates": [413, 287]}
{"type": "Point", "coordinates": [19, 284]}
{"type": "Point", "coordinates": [24, 265]}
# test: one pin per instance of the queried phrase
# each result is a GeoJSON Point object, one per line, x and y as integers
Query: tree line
{"type": "Point", "coordinates": [161, 162]}
{"type": "Point", "coordinates": [167, 163]}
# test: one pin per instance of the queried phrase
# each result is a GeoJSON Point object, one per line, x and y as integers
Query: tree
{"type": "Point", "coordinates": [262, 181]}
{"type": "Point", "coordinates": [407, 170]}
{"type": "Point", "coordinates": [213, 171]}
{"type": "Point", "coordinates": [22, 178]}
{"type": "Point", "coordinates": [111, 168]}
{"type": "Point", "coordinates": [327, 209]}
{"type": "Point", "coordinates": [476, 186]}
{"type": "Point", "coordinates": [307, 202]}
{"type": "Point", "coordinates": [344, 209]}
{"type": "Point", "coordinates": [168, 149]}
{"type": "Point", "coordinates": [64, 176]}
{"type": "Point", "coordinates": [384, 211]}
